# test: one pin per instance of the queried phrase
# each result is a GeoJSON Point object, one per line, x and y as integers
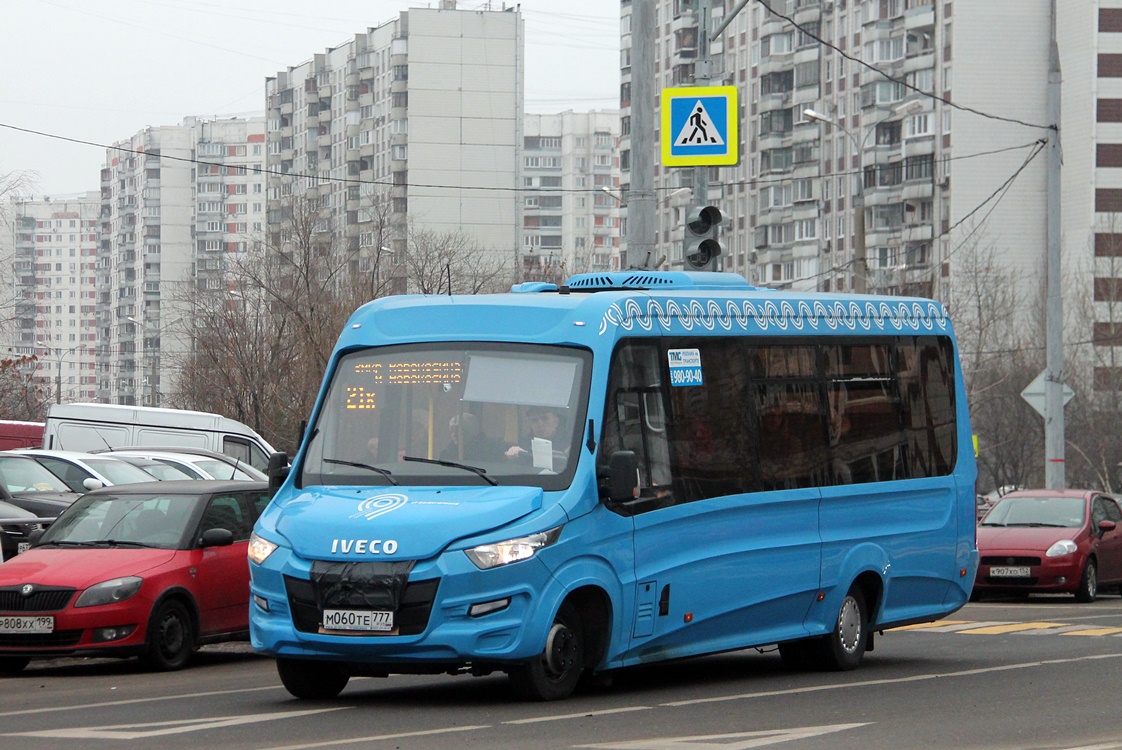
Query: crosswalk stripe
{"type": "Point", "coordinates": [1095, 631]}
{"type": "Point", "coordinates": [1011, 628]}
{"type": "Point", "coordinates": [1003, 627]}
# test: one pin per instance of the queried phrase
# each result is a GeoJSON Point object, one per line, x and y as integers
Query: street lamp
{"type": "Point", "coordinates": [860, 263]}
{"type": "Point", "coordinates": [58, 373]}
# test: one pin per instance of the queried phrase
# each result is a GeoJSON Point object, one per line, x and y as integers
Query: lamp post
{"type": "Point", "coordinates": [155, 362]}
{"type": "Point", "coordinates": [860, 261]}
{"type": "Point", "coordinates": [58, 371]}
{"type": "Point", "coordinates": [376, 275]}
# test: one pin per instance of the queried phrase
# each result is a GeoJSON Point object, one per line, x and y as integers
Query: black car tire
{"type": "Point", "coordinates": [842, 649]}
{"type": "Point", "coordinates": [1088, 583]}
{"type": "Point", "coordinates": [555, 673]}
{"type": "Point", "coordinates": [10, 665]}
{"type": "Point", "coordinates": [171, 637]}
{"type": "Point", "coordinates": [312, 680]}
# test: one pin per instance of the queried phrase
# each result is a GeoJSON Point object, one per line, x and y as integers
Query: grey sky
{"type": "Point", "coordinates": [101, 70]}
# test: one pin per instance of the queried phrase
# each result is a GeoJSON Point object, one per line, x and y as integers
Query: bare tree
{"type": "Point", "coordinates": [261, 342]}
{"type": "Point", "coordinates": [1093, 366]}
{"type": "Point", "coordinates": [998, 360]}
{"type": "Point", "coordinates": [452, 263]}
{"type": "Point", "coordinates": [262, 335]}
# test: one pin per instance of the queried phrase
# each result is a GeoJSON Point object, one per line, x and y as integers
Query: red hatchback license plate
{"type": "Point", "coordinates": [37, 624]}
{"type": "Point", "coordinates": [1010, 571]}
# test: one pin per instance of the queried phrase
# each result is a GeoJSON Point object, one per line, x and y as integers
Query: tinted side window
{"type": "Point", "coordinates": [711, 452]}
{"type": "Point", "coordinates": [926, 370]}
{"type": "Point", "coordinates": [225, 512]}
{"type": "Point", "coordinates": [866, 419]}
{"type": "Point", "coordinates": [789, 409]}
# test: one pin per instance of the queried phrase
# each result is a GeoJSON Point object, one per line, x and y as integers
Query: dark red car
{"type": "Point", "coordinates": [152, 569]}
{"type": "Point", "coordinates": [1050, 541]}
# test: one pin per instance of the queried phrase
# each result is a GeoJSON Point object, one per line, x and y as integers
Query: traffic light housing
{"type": "Point", "coordinates": [701, 244]}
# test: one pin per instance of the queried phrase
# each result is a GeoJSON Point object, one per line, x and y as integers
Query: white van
{"type": "Point", "coordinates": [94, 427]}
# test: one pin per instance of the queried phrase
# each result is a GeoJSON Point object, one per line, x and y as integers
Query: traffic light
{"type": "Point", "coordinates": [701, 245]}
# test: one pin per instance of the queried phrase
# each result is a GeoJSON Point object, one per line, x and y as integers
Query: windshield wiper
{"type": "Point", "coordinates": [439, 462]}
{"type": "Point", "coordinates": [65, 543]}
{"type": "Point", "coordinates": [124, 543]}
{"type": "Point", "coordinates": [384, 472]}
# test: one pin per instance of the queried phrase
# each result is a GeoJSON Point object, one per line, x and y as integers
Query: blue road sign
{"type": "Point", "coordinates": [699, 126]}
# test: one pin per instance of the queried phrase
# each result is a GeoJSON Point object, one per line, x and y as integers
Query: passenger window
{"type": "Point", "coordinates": [711, 449]}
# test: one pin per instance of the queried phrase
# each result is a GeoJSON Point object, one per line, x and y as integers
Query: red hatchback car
{"type": "Point", "coordinates": [151, 569]}
{"type": "Point", "coordinates": [1050, 541]}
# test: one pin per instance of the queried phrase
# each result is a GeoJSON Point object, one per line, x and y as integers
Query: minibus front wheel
{"type": "Point", "coordinates": [554, 674]}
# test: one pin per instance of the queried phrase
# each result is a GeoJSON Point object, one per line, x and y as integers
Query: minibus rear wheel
{"type": "Point", "coordinates": [312, 680]}
{"type": "Point", "coordinates": [554, 674]}
{"type": "Point", "coordinates": [844, 648]}
{"type": "Point", "coordinates": [840, 650]}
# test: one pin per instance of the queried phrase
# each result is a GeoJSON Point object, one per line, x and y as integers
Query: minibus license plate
{"type": "Point", "coordinates": [39, 624]}
{"type": "Point", "coordinates": [1021, 571]}
{"type": "Point", "coordinates": [22, 547]}
{"type": "Point", "coordinates": [357, 619]}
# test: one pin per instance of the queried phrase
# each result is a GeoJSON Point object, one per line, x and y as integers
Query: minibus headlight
{"type": "Point", "coordinates": [487, 556]}
{"type": "Point", "coordinates": [260, 549]}
{"type": "Point", "coordinates": [1059, 549]}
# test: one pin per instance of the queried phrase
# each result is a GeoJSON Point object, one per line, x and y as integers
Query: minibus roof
{"type": "Point", "coordinates": [637, 303]}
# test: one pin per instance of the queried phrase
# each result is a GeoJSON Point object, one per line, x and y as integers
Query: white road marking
{"type": "Point", "coordinates": [581, 715]}
{"type": "Point", "coordinates": [382, 737]}
{"type": "Point", "coordinates": [890, 681]}
{"type": "Point", "coordinates": [737, 741]}
{"type": "Point", "coordinates": [128, 701]}
{"type": "Point", "coordinates": [159, 728]}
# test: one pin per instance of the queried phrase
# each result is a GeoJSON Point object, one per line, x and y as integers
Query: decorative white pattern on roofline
{"type": "Point", "coordinates": [879, 315]}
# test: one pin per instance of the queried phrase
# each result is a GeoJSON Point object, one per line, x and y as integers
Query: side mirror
{"type": "Point", "coordinates": [278, 470]}
{"type": "Point", "coordinates": [34, 537]}
{"type": "Point", "coordinates": [1105, 526]}
{"type": "Point", "coordinates": [92, 484]}
{"type": "Point", "coordinates": [217, 538]}
{"type": "Point", "coordinates": [623, 476]}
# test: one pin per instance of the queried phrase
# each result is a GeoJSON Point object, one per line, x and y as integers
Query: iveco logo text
{"type": "Point", "coordinates": [364, 546]}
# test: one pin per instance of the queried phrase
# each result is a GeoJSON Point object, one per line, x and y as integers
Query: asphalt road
{"type": "Point", "coordinates": [1042, 673]}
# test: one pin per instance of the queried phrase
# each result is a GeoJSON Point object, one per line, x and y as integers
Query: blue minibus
{"type": "Point", "coordinates": [630, 467]}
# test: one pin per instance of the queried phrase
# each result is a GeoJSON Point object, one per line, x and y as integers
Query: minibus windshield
{"type": "Point", "coordinates": [451, 414]}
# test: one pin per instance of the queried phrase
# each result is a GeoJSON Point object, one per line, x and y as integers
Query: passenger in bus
{"type": "Point", "coordinates": [470, 442]}
{"type": "Point", "coordinates": [545, 423]}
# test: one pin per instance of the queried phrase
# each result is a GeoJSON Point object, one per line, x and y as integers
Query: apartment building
{"type": "Point", "coordinates": [416, 120]}
{"type": "Point", "coordinates": [51, 283]}
{"type": "Point", "coordinates": [570, 194]}
{"type": "Point", "coordinates": [177, 204]}
{"type": "Point", "coordinates": [876, 145]}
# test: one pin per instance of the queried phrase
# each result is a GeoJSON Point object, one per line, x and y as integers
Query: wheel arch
{"type": "Point", "coordinates": [596, 593]}
{"type": "Point", "coordinates": [183, 596]}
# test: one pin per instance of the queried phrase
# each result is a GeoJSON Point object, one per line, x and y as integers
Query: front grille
{"type": "Point", "coordinates": [1003, 560]}
{"type": "Point", "coordinates": [370, 586]}
{"type": "Point", "coordinates": [57, 639]}
{"type": "Point", "coordinates": [43, 599]}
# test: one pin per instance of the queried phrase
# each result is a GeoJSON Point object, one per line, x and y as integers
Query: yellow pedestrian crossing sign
{"type": "Point", "coordinates": [699, 126]}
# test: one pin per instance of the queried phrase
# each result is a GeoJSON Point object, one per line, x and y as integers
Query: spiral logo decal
{"type": "Point", "coordinates": [379, 505]}
{"type": "Point", "coordinates": [675, 316]}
